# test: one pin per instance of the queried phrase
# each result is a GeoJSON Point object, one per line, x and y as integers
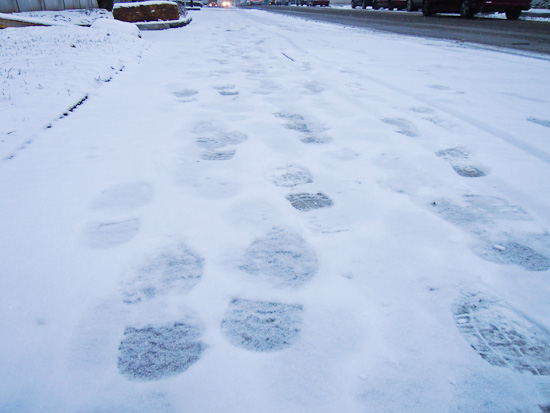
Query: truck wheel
{"type": "Point", "coordinates": [375, 5]}
{"type": "Point", "coordinates": [466, 9]}
{"type": "Point", "coordinates": [410, 6]}
{"type": "Point", "coordinates": [513, 14]}
{"type": "Point", "coordinates": [426, 8]}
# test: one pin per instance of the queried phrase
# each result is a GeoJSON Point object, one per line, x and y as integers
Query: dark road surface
{"type": "Point", "coordinates": [521, 35]}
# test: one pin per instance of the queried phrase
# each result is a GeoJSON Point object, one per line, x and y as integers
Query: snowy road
{"type": "Point", "coordinates": [260, 215]}
{"type": "Point", "coordinates": [528, 35]}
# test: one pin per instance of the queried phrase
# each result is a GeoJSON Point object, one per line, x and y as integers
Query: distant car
{"type": "Point", "coordinates": [467, 8]}
{"type": "Point", "coordinates": [389, 4]}
{"type": "Point", "coordinates": [212, 3]}
{"type": "Point", "coordinates": [278, 2]}
{"type": "Point", "coordinates": [313, 3]}
{"type": "Point", "coordinates": [362, 3]}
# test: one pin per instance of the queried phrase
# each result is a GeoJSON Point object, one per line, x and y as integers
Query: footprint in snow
{"type": "Point", "coordinates": [495, 207]}
{"type": "Point", "coordinates": [262, 325]}
{"type": "Point", "coordinates": [512, 252]}
{"type": "Point", "coordinates": [222, 155]}
{"type": "Point", "coordinates": [226, 90]}
{"type": "Point", "coordinates": [478, 209]}
{"type": "Point", "coordinates": [124, 196]}
{"type": "Point", "coordinates": [439, 87]}
{"type": "Point", "coordinates": [102, 235]}
{"type": "Point", "coordinates": [422, 110]}
{"type": "Point", "coordinates": [478, 214]}
{"type": "Point", "coordinates": [186, 95]}
{"type": "Point", "coordinates": [541, 122]}
{"type": "Point", "coordinates": [502, 337]}
{"type": "Point", "coordinates": [182, 92]}
{"type": "Point", "coordinates": [430, 115]}
{"type": "Point", "coordinates": [404, 127]}
{"type": "Point", "coordinates": [282, 258]}
{"type": "Point", "coordinates": [458, 158]}
{"type": "Point", "coordinates": [289, 175]}
{"type": "Point", "coordinates": [154, 352]}
{"type": "Point", "coordinates": [307, 202]}
{"type": "Point", "coordinates": [294, 121]}
{"type": "Point", "coordinates": [456, 214]}
{"type": "Point", "coordinates": [310, 131]}
{"type": "Point", "coordinates": [175, 270]}
{"type": "Point", "coordinates": [217, 142]}
{"type": "Point", "coordinates": [266, 87]}
{"type": "Point", "coordinates": [221, 139]}
{"type": "Point", "coordinates": [316, 139]}
{"type": "Point", "coordinates": [314, 87]}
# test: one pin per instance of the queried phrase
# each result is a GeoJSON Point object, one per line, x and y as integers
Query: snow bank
{"type": "Point", "coordinates": [79, 17]}
{"type": "Point", "coordinates": [116, 26]}
{"type": "Point", "coordinates": [46, 71]}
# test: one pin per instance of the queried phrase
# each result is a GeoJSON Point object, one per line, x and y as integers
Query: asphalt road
{"type": "Point", "coordinates": [520, 35]}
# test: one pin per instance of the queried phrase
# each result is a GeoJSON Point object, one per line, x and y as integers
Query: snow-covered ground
{"type": "Point", "coordinates": [260, 213]}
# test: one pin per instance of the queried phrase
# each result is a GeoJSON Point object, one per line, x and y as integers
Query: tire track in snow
{"type": "Point", "coordinates": [500, 134]}
{"type": "Point", "coordinates": [496, 132]}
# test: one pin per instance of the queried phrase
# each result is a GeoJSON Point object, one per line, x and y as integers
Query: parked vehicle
{"type": "Point", "coordinates": [413, 5]}
{"type": "Point", "coordinates": [389, 4]}
{"type": "Point", "coordinates": [467, 8]}
{"type": "Point", "coordinates": [362, 3]}
{"type": "Point", "coordinates": [313, 3]}
{"type": "Point", "coordinates": [410, 5]}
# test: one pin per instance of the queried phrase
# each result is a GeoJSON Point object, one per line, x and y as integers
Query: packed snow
{"type": "Point", "coordinates": [142, 3]}
{"type": "Point", "coordinates": [261, 213]}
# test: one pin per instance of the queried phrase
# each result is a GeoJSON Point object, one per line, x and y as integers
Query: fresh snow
{"type": "Point", "coordinates": [261, 213]}
{"type": "Point", "coordinates": [142, 3]}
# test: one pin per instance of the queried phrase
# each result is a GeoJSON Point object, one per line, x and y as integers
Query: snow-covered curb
{"type": "Point", "coordinates": [31, 20]}
{"type": "Point", "coordinates": [161, 25]}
